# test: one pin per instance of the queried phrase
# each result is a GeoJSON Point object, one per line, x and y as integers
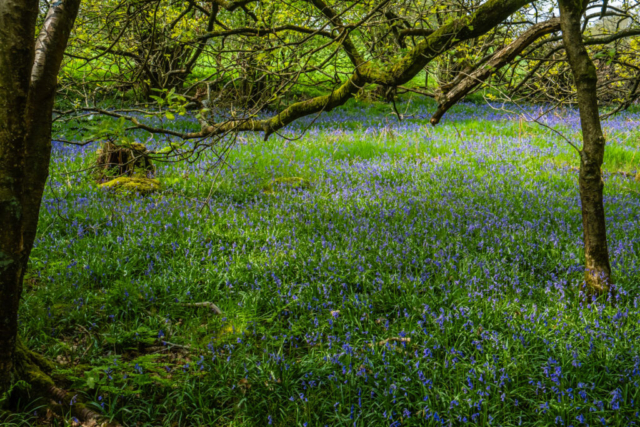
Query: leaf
{"type": "Point", "coordinates": [169, 115]}
{"type": "Point", "coordinates": [91, 382]}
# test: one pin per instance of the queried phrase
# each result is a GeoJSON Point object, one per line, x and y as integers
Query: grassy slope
{"type": "Point", "coordinates": [465, 239]}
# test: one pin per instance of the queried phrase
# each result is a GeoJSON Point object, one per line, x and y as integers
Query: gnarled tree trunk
{"type": "Point", "coordinates": [597, 267]}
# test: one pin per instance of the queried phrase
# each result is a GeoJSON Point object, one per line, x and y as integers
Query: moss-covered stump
{"type": "Point", "coordinates": [126, 185]}
{"type": "Point", "coordinates": [123, 160]}
{"type": "Point", "coordinates": [294, 183]}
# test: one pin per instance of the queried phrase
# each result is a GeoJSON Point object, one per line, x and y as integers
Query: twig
{"type": "Point", "coordinates": [182, 347]}
{"type": "Point", "coordinates": [207, 304]}
{"type": "Point", "coordinates": [393, 339]}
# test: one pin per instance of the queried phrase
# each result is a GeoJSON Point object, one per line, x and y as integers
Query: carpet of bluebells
{"type": "Point", "coordinates": [421, 276]}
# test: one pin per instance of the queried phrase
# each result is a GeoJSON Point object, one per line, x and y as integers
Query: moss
{"type": "Point", "coordinates": [230, 331]}
{"type": "Point", "coordinates": [132, 185]}
{"type": "Point", "coordinates": [32, 368]}
{"type": "Point", "coordinates": [292, 182]}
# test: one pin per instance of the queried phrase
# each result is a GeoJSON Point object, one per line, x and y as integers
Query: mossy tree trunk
{"type": "Point", "coordinates": [28, 76]}
{"type": "Point", "coordinates": [597, 267]}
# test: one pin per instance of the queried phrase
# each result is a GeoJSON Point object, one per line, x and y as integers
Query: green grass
{"type": "Point", "coordinates": [464, 238]}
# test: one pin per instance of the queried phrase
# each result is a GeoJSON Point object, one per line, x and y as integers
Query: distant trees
{"type": "Point", "coordinates": [236, 56]}
{"type": "Point", "coordinates": [147, 44]}
{"type": "Point", "coordinates": [233, 49]}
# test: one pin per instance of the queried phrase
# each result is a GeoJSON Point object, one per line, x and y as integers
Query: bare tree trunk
{"type": "Point", "coordinates": [17, 26]}
{"type": "Point", "coordinates": [597, 268]}
{"type": "Point", "coordinates": [28, 76]}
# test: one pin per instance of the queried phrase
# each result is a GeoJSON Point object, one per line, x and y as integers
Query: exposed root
{"type": "Point", "coordinates": [34, 369]}
{"type": "Point", "coordinates": [79, 410]}
{"type": "Point", "coordinates": [207, 304]}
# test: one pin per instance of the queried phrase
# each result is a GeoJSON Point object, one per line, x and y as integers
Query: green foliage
{"type": "Point", "coordinates": [131, 340]}
{"type": "Point", "coordinates": [311, 277]}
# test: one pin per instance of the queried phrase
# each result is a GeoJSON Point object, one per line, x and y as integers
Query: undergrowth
{"type": "Point", "coordinates": [421, 276]}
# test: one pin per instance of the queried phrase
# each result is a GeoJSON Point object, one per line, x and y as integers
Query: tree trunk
{"type": "Point", "coordinates": [17, 26]}
{"type": "Point", "coordinates": [597, 268]}
{"type": "Point", "coordinates": [28, 76]}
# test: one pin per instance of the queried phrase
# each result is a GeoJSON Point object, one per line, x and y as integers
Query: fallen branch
{"type": "Point", "coordinates": [168, 346]}
{"type": "Point", "coordinates": [623, 174]}
{"type": "Point", "coordinates": [393, 339]}
{"type": "Point", "coordinates": [172, 345]}
{"type": "Point", "coordinates": [207, 304]}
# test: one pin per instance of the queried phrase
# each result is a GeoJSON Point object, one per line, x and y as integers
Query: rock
{"type": "Point", "coordinates": [132, 185]}
{"type": "Point", "coordinates": [292, 182]}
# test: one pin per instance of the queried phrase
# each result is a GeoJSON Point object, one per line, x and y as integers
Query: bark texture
{"type": "Point", "coordinates": [17, 26]}
{"type": "Point", "coordinates": [28, 76]}
{"type": "Point", "coordinates": [597, 268]}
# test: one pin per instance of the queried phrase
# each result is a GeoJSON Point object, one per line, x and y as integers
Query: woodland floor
{"type": "Point", "coordinates": [412, 273]}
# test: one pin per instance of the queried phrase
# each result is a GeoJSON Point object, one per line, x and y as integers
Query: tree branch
{"type": "Point", "coordinates": [497, 61]}
{"type": "Point", "coordinates": [489, 15]}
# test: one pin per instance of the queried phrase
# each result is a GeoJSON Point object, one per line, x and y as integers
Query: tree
{"type": "Point", "coordinates": [596, 252]}
{"type": "Point", "coordinates": [154, 44]}
{"type": "Point", "coordinates": [597, 277]}
{"type": "Point", "coordinates": [575, 39]}
{"type": "Point", "coordinates": [28, 76]}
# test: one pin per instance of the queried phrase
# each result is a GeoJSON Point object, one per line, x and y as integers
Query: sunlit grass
{"type": "Point", "coordinates": [425, 275]}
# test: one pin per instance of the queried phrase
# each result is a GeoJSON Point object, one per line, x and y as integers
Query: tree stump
{"type": "Point", "coordinates": [115, 161]}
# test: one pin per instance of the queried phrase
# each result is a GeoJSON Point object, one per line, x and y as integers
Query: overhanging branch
{"type": "Point", "coordinates": [497, 61]}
